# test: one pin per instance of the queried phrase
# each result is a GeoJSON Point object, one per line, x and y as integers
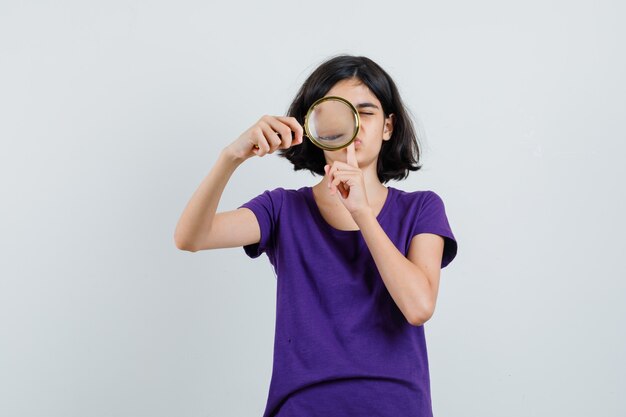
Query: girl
{"type": "Point", "coordinates": [357, 263]}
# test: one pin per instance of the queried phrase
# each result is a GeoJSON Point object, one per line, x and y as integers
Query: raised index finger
{"type": "Point", "coordinates": [351, 156]}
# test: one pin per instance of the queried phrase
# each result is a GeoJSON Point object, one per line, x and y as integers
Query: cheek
{"type": "Point", "coordinates": [371, 127]}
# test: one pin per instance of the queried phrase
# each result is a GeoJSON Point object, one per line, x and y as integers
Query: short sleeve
{"type": "Point", "coordinates": [266, 208]}
{"type": "Point", "coordinates": [431, 218]}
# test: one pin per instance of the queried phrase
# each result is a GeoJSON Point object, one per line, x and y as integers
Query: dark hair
{"type": "Point", "coordinates": [398, 155]}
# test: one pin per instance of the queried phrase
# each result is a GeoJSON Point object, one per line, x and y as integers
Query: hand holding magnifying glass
{"type": "Point", "coordinates": [331, 123]}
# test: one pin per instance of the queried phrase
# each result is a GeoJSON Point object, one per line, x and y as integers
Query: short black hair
{"type": "Point", "coordinates": [398, 155]}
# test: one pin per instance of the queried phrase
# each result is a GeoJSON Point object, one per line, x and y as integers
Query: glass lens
{"type": "Point", "coordinates": [332, 124]}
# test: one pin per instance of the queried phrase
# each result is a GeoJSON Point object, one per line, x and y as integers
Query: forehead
{"type": "Point", "coordinates": [354, 91]}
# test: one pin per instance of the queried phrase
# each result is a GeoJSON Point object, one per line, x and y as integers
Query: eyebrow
{"type": "Point", "coordinates": [363, 105]}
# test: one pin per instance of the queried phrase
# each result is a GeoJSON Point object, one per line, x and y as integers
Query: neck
{"type": "Point", "coordinates": [370, 177]}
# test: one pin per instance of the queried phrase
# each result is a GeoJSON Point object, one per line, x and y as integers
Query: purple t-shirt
{"type": "Point", "coordinates": [342, 347]}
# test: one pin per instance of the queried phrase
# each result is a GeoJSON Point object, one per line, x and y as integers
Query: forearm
{"type": "Point", "coordinates": [405, 281]}
{"type": "Point", "coordinates": [201, 208]}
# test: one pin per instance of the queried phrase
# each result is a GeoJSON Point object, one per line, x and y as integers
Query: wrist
{"type": "Point", "coordinates": [231, 157]}
{"type": "Point", "coordinates": [363, 214]}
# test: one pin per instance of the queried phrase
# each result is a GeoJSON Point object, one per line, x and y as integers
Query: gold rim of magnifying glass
{"type": "Point", "coordinates": [357, 122]}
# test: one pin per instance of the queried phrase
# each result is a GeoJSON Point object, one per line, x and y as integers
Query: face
{"type": "Point", "coordinates": [374, 127]}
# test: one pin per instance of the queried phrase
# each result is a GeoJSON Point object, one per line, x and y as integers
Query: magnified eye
{"type": "Point", "coordinates": [332, 137]}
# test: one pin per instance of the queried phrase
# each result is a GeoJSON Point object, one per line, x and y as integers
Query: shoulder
{"type": "Point", "coordinates": [417, 198]}
{"type": "Point", "coordinates": [289, 193]}
{"type": "Point", "coordinates": [420, 205]}
{"type": "Point", "coordinates": [277, 197]}
{"type": "Point", "coordinates": [282, 194]}
{"type": "Point", "coordinates": [281, 191]}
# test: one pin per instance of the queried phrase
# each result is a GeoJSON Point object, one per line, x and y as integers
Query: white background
{"type": "Point", "coordinates": [111, 114]}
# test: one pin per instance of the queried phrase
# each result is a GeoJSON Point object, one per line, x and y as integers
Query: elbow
{"type": "Point", "coordinates": [183, 244]}
{"type": "Point", "coordinates": [413, 321]}
{"type": "Point", "coordinates": [419, 318]}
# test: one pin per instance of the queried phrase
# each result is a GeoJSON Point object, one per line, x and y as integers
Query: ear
{"type": "Point", "coordinates": [388, 127]}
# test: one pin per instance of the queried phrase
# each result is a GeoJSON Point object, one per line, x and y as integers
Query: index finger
{"type": "Point", "coordinates": [293, 125]}
{"type": "Point", "coordinates": [351, 157]}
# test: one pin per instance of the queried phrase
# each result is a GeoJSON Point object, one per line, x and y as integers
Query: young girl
{"type": "Point", "coordinates": [357, 263]}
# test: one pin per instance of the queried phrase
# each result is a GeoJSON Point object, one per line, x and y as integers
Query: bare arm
{"type": "Point", "coordinates": [193, 231]}
{"type": "Point", "coordinates": [199, 226]}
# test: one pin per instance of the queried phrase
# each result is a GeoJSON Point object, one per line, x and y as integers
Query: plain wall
{"type": "Point", "coordinates": [111, 114]}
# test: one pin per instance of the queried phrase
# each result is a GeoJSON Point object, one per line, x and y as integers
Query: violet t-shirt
{"type": "Point", "coordinates": [342, 347]}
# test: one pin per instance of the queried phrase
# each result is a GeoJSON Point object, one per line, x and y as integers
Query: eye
{"type": "Point", "coordinates": [365, 114]}
{"type": "Point", "coordinates": [331, 137]}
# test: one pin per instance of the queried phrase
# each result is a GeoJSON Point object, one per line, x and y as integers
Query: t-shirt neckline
{"type": "Point", "coordinates": [317, 214]}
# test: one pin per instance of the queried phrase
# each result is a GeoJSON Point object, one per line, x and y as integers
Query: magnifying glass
{"type": "Point", "coordinates": [331, 123]}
